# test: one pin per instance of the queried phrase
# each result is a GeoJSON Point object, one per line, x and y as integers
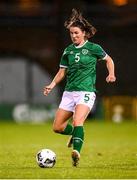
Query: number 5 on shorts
{"type": "Point", "coordinates": [87, 97]}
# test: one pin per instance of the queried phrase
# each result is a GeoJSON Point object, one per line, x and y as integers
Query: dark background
{"type": "Point", "coordinates": [34, 29]}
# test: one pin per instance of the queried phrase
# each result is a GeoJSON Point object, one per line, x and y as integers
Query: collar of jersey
{"type": "Point", "coordinates": [81, 45]}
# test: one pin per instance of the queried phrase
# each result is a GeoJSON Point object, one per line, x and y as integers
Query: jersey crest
{"type": "Point", "coordinates": [84, 51]}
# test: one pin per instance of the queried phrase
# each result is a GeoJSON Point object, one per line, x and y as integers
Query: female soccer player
{"type": "Point", "coordinates": [78, 64]}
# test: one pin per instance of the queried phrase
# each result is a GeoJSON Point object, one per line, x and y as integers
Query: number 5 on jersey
{"type": "Point", "coordinates": [77, 57]}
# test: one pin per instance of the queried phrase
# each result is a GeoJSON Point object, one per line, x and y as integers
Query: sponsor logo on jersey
{"type": "Point", "coordinates": [71, 52]}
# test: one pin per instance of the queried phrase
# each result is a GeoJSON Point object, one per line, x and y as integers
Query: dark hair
{"type": "Point", "coordinates": [77, 20]}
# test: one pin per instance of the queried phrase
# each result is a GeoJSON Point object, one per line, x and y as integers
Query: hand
{"type": "Point", "coordinates": [110, 78]}
{"type": "Point", "coordinates": [47, 90]}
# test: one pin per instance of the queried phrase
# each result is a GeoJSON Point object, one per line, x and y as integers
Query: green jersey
{"type": "Point", "coordinates": [81, 66]}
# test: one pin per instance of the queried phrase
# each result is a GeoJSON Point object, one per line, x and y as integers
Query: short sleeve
{"type": "Point", "coordinates": [64, 60]}
{"type": "Point", "coordinates": [100, 53]}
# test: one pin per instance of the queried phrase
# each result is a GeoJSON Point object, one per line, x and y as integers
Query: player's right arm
{"type": "Point", "coordinates": [58, 77]}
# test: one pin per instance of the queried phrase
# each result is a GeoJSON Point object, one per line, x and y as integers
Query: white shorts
{"type": "Point", "coordinates": [71, 99]}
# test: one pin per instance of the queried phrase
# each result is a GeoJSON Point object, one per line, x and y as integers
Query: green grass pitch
{"type": "Point", "coordinates": [109, 151]}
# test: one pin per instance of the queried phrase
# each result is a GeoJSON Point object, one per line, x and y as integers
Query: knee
{"type": "Point", "coordinates": [57, 128]}
{"type": "Point", "coordinates": [77, 123]}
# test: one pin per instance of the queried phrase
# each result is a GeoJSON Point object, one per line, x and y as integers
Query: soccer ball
{"type": "Point", "coordinates": [46, 158]}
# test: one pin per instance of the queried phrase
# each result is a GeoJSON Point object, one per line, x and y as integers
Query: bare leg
{"type": "Point", "coordinates": [61, 120]}
{"type": "Point", "coordinates": [80, 115]}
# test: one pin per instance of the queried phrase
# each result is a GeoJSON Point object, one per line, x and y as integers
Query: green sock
{"type": "Point", "coordinates": [68, 130]}
{"type": "Point", "coordinates": [78, 137]}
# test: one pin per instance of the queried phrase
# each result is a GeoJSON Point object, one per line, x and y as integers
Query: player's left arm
{"type": "Point", "coordinates": [111, 69]}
